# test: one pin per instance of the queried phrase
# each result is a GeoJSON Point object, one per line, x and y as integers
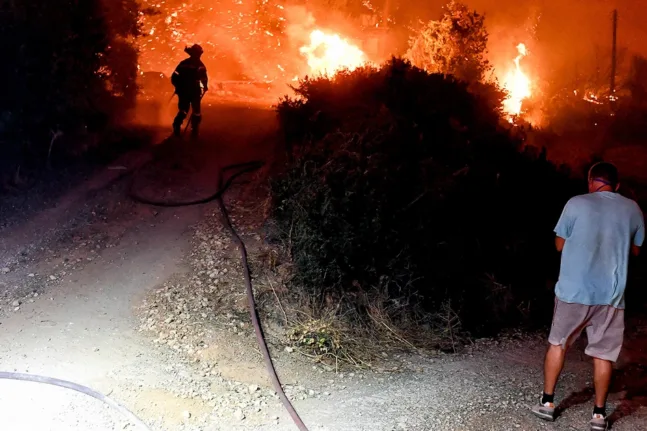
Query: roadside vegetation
{"type": "Point", "coordinates": [410, 211]}
{"type": "Point", "coordinates": [68, 77]}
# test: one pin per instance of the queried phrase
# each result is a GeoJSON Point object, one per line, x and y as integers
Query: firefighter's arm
{"type": "Point", "coordinates": [175, 76]}
{"type": "Point", "coordinates": [204, 78]}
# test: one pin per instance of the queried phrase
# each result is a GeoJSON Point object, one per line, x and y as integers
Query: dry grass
{"type": "Point", "coordinates": [333, 331]}
{"type": "Point", "coordinates": [338, 335]}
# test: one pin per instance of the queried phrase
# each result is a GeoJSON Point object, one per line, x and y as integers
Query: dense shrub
{"type": "Point", "coordinates": [67, 66]}
{"type": "Point", "coordinates": [408, 187]}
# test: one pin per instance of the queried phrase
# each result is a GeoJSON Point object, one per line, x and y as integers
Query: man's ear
{"type": "Point", "coordinates": [617, 187]}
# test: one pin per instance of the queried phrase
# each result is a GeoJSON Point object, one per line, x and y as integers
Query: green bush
{"type": "Point", "coordinates": [409, 187]}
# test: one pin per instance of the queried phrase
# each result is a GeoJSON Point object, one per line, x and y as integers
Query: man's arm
{"type": "Point", "coordinates": [639, 236]}
{"type": "Point", "coordinates": [204, 79]}
{"type": "Point", "coordinates": [175, 77]}
{"type": "Point", "coordinates": [564, 226]}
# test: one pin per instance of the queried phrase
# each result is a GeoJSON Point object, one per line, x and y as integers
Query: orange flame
{"type": "Point", "coordinates": [328, 53]}
{"type": "Point", "coordinates": [517, 84]}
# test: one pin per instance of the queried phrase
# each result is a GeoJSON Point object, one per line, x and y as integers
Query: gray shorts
{"type": "Point", "coordinates": [604, 325]}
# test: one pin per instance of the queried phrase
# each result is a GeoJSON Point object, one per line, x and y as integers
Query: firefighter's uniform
{"type": "Point", "coordinates": [190, 82]}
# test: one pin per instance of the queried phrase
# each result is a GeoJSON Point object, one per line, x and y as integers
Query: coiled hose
{"type": "Point", "coordinates": [239, 169]}
{"type": "Point", "coordinates": [79, 388]}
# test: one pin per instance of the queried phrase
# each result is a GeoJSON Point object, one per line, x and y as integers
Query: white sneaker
{"type": "Point", "coordinates": [599, 422]}
{"type": "Point", "coordinates": [545, 411]}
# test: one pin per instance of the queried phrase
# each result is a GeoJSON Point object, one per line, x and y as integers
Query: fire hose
{"type": "Point", "coordinates": [221, 188]}
{"type": "Point", "coordinates": [78, 388]}
{"type": "Point", "coordinates": [241, 169]}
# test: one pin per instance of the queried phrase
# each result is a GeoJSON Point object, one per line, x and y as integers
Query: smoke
{"type": "Point", "coordinates": [300, 22]}
{"type": "Point", "coordinates": [565, 38]}
{"type": "Point", "coordinates": [570, 24]}
{"type": "Point", "coordinates": [569, 42]}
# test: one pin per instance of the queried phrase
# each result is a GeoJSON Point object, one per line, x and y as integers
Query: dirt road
{"type": "Point", "coordinates": [78, 272]}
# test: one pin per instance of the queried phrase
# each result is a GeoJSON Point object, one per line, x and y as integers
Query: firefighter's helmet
{"type": "Point", "coordinates": [194, 50]}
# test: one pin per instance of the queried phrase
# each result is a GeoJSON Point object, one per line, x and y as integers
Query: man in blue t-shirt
{"type": "Point", "coordinates": [596, 233]}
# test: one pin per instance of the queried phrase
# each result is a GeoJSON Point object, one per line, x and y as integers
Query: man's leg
{"type": "Point", "coordinates": [553, 367]}
{"type": "Point", "coordinates": [568, 322]}
{"type": "Point", "coordinates": [553, 364]}
{"type": "Point", "coordinates": [183, 110]}
{"type": "Point", "coordinates": [196, 116]}
{"type": "Point", "coordinates": [605, 336]}
{"type": "Point", "coordinates": [602, 371]}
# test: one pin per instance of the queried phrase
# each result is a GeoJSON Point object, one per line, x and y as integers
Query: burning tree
{"type": "Point", "coordinates": [455, 45]}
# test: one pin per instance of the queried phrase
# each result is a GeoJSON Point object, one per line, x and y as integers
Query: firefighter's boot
{"type": "Point", "coordinates": [196, 119]}
{"type": "Point", "coordinates": [177, 123]}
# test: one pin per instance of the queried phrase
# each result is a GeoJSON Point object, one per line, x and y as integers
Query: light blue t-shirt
{"type": "Point", "coordinates": [599, 229]}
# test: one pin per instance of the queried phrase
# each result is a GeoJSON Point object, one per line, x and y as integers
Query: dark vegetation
{"type": "Point", "coordinates": [409, 203]}
{"type": "Point", "coordinates": [68, 73]}
{"type": "Point", "coordinates": [409, 198]}
{"type": "Point", "coordinates": [567, 111]}
{"type": "Point", "coordinates": [412, 209]}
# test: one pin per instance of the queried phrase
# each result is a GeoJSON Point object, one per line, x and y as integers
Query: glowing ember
{"type": "Point", "coordinates": [592, 98]}
{"type": "Point", "coordinates": [329, 53]}
{"type": "Point", "coordinates": [517, 84]}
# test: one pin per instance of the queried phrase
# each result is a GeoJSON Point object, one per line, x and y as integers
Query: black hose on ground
{"type": "Point", "coordinates": [243, 168]}
{"type": "Point", "coordinates": [221, 187]}
{"type": "Point", "coordinates": [79, 388]}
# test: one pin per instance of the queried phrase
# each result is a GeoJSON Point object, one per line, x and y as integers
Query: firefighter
{"type": "Point", "coordinates": [190, 82]}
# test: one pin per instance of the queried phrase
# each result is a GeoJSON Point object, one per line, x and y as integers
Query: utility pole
{"type": "Point", "coordinates": [612, 87]}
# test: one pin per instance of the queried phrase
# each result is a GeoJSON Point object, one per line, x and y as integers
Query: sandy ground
{"type": "Point", "coordinates": [71, 307]}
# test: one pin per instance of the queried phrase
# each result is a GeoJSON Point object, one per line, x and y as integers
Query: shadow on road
{"type": "Point", "coordinates": [629, 382]}
{"type": "Point", "coordinates": [183, 169]}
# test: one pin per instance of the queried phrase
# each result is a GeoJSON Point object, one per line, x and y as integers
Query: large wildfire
{"type": "Point", "coordinates": [258, 40]}
{"type": "Point", "coordinates": [245, 39]}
